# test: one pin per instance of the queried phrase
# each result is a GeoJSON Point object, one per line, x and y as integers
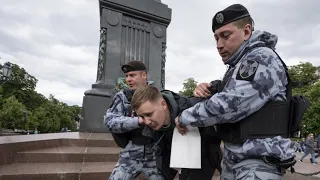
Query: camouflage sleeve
{"type": "Point", "coordinates": [256, 79]}
{"type": "Point", "coordinates": [116, 119]}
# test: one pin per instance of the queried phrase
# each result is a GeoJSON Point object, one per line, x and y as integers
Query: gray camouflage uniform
{"type": "Point", "coordinates": [134, 159]}
{"type": "Point", "coordinates": [239, 99]}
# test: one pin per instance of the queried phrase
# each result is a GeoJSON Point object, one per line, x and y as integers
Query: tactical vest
{"type": "Point", "coordinates": [275, 118]}
{"type": "Point", "coordinates": [135, 135]}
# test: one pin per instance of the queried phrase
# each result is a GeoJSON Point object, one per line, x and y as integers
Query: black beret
{"type": "Point", "coordinates": [228, 15]}
{"type": "Point", "coordinates": [133, 66]}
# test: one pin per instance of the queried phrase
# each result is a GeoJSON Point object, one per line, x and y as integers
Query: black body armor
{"type": "Point", "coordinates": [275, 118]}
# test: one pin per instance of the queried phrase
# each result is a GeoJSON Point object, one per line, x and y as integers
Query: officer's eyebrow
{"type": "Point", "coordinates": [223, 33]}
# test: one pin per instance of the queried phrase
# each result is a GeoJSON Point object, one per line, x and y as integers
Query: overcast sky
{"type": "Point", "coordinates": [57, 40]}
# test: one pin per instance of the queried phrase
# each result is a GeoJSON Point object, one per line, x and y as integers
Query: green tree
{"type": "Point", "coordinates": [303, 74]}
{"type": "Point", "coordinates": [20, 80]}
{"type": "Point", "coordinates": [305, 83]}
{"type": "Point", "coordinates": [1, 97]}
{"type": "Point", "coordinates": [121, 83]}
{"type": "Point", "coordinates": [311, 120]}
{"type": "Point", "coordinates": [76, 112]}
{"type": "Point", "coordinates": [188, 87]}
{"type": "Point", "coordinates": [52, 116]}
{"type": "Point", "coordinates": [45, 114]}
{"type": "Point", "coordinates": [22, 85]}
{"type": "Point", "coordinates": [12, 116]}
{"type": "Point", "coordinates": [32, 99]}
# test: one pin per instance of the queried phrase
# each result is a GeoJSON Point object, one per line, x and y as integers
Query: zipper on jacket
{"type": "Point", "coordinates": [144, 151]}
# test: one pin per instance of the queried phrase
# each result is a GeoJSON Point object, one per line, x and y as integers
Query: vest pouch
{"type": "Point", "coordinates": [121, 139]}
{"type": "Point", "coordinates": [210, 135]}
{"type": "Point", "coordinates": [139, 139]}
{"type": "Point", "coordinates": [269, 121]}
{"type": "Point", "coordinates": [299, 105]}
{"type": "Point", "coordinates": [163, 165]}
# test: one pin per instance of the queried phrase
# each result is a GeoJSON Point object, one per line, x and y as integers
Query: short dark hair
{"type": "Point", "coordinates": [143, 94]}
{"type": "Point", "coordinates": [241, 23]}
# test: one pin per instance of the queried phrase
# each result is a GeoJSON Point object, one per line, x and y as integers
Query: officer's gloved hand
{"type": "Point", "coordinates": [205, 90]}
{"type": "Point", "coordinates": [215, 87]}
{"type": "Point", "coordinates": [202, 90]}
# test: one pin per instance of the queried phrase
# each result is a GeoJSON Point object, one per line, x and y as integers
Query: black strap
{"type": "Point", "coordinates": [289, 85]}
{"type": "Point", "coordinates": [128, 93]}
{"type": "Point", "coordinates": [272, 161]}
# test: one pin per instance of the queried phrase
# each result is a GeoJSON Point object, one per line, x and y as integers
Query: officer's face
{"type": "Point", "coordinates": [135, 79]}
{"type": "Point", "coordinates": [153, 114]}
{"type": "Point", "coordinates": [229, 38]}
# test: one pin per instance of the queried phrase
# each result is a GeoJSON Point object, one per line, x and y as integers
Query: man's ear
{"type": "Point", "coordinates": [144, 75]}
{"type": "Point", "coordinates": [247, 31]}
{"type": "Point", "coordinates": [163, 103]}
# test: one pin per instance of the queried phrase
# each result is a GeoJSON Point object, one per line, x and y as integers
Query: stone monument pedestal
{"type": "Point", "coordinates": [129, 30]}
{"type": "Point", "coordinates": [96, 107]}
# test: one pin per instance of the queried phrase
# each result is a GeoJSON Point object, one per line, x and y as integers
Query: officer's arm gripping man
{"type": "Point", "coordinates": [242, 95]}
{"type": "Point", "coordinates": [116, 119]}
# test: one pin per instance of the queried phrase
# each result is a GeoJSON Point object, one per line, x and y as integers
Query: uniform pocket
{"type": "Point", "coordinates": [256, 172]}
{"type": "Point", "coordinates": [244, 172]}
{"type": "Point", "coordinates": [267, 175]}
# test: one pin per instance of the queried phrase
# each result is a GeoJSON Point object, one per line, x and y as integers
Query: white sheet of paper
{"type": "Point", "coordinates": [186, 149]}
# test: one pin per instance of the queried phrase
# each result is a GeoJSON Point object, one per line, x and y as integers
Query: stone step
{"type": "Point", "coordinates": [65, 154]}
{"type": "Point", "coordinates": [59, 171]}
{"type": "Point", "coordinates": [56, 171]}
{"type": "Point", "coordinates": [88, 142]}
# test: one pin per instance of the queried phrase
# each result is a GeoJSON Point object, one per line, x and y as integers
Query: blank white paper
{"type": "Point", "coordinates": [186, 149]}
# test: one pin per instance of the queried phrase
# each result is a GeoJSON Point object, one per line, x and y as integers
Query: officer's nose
{"type": "Point", "coordinates": [219, 45]}
{"type": "Point", "coordinates": [128, 79]}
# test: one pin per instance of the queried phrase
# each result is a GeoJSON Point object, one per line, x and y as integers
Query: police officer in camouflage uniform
{"type": "Point", "coordinates": [255, 80]}
{"type": "Point", "coordinates": [137, 156]}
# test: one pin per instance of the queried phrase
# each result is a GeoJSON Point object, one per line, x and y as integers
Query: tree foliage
{"type": "Point", "coordinates": [188, 87]}
{"type": "Point", "coordinates": [311, 120]}
{"type": "Point", "coordinates": [121, 84]}
{"type": "Point", "coordinates": [306, 83]}
{"type": "Point", "coordinates": [12, 115]}
{"type": "Point", "coordinates": [303, 74]}
{"type": "Point", "coordinates": [22, 107]}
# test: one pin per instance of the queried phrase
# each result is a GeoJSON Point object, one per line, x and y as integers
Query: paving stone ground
{"type": "Point", "coordinates": [300, 167]}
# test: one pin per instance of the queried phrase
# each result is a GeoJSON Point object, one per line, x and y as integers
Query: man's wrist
{"type": "Point", "coordinates": [138, 121]}
{"type": "Point", "coordinates": [180, 121]}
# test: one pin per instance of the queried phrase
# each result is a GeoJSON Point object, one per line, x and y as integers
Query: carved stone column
{"type": "Point", "coordinates": [129, 30]}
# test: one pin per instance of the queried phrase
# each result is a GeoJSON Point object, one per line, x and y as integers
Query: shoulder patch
{"type": "Point", "coordinates": [247, 70]}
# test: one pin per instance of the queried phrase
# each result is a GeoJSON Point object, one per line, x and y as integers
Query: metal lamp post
{"type": "Point", "coordinates": [25, 119]}
{"type": "Point", "coordinates": [6, 72]}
